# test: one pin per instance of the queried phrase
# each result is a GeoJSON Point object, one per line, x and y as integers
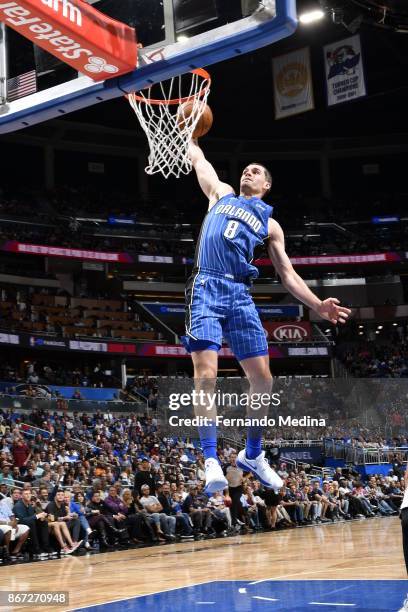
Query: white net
{"type": "Point", "coordinates": [169, 113]}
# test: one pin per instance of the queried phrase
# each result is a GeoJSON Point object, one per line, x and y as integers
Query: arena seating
{"type": "Point", "coordinates": [71, 317]}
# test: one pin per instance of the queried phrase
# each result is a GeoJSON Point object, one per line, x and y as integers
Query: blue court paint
{"type": "Point", "coordinates": [274, 595]}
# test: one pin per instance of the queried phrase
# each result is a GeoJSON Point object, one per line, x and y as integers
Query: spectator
{"type": "Point", "coordinates": [217, 503]}
{"type": "Point", "coordinates": [103, 524]}
{"type": "Point", "coordinates": [199, 513]}
{"type": "Point", "coordinates": [6, 476]}
{"type": "Point", "coordinates": [160, 520]}
{"type": "Point", "coordinates": [119, 512]}
{"type": "Point", "coordinates": [75, 505]}
{"type": "Point", "coordinates": [136, 509]}
{"type": "Point", "coordinates": [12, 531]}
{"type": "Point", "coordinates": [173, 511]}
{"type": "Point", "coordinates": [250, 508]}
{"type": "Point", "coordinates": [64, 524]}
{"type": "Point", "coordinates": [21, 453]}
{"type": "Point", "coordinates": [144, 476]}
{"type": "Point", "coordinates": [37, 522]}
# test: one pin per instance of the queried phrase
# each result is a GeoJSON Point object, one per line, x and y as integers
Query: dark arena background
{"type": "Point", "coordinates": [94, 257]}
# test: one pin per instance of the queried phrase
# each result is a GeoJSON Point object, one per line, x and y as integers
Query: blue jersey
{"type": "Point", "coordinates": [232, 229]}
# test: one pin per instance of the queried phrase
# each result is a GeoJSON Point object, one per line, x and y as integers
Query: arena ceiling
{"type": "Point", "coordinates": [391, 14]}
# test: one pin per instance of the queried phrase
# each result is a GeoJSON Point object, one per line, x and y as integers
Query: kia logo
{"type": "Point", "coordinates": [294, 333]}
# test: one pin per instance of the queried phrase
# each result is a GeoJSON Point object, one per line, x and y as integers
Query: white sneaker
{"type": "Point", "coordinates": [261, 469]}
{"type": "Point", "coordinates": [214, 476]}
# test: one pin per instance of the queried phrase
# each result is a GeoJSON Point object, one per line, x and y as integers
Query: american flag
{"type": "Point", "coordinates": [21, 85]}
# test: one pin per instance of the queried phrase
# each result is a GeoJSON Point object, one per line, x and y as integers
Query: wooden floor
{"type": "Point", "coordinates": [369, 549]}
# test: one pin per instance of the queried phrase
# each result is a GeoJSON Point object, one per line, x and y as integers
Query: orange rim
{"type": "Point", "coordinates": [199, 71]}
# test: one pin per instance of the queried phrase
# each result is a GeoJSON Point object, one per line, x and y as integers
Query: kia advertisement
{"type": "Point", "coordinates": [288, 332]}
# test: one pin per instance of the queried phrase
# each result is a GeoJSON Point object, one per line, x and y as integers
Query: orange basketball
{"type": "Point", "coordinates": [204, 123]}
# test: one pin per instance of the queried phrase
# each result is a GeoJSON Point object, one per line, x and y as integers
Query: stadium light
{"type": "Point", "coordinates": [395, 324]}
{"type": "Point", "coordinates": [380, 326]}
{"type": "Point", "coordinates": [311, 16]}
{"type": "Point", "coordinates": [361, 327]}
{"type": "Point", "coordinates": [361, 333]}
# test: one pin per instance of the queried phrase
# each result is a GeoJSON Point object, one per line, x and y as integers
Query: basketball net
{"type": "Point", "coordinates": [169, 130]}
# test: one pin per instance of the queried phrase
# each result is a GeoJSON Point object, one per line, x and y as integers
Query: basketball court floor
{"type": "Point", "coordinates": [357, 565]}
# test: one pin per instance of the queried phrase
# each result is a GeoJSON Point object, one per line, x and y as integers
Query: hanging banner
{"type": "Point", "coordinates": [344, 71]}
{"type": "Point", "coordinates": [292, 83]}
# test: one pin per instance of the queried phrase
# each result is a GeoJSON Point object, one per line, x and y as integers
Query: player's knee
{"type": "Point", "coordinates": [267, 376]}
{"type": "Point", "coordinates": [205, 371]}
{"type": "Point", "coordinates": [262, 380]}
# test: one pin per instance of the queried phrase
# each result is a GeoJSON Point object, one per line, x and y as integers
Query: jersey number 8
{"type": "Point", "coordinates": [231, 229]}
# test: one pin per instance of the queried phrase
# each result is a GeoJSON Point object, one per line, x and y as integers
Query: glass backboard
{"type": "Point", "coordinates": [174, 36]}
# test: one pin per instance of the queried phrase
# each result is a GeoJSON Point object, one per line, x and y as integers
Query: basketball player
{"type": "Point", "coordinates": [219, 304]}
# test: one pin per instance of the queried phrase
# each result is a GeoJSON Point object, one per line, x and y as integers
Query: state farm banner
{"type": "Point", "coordinates": [292, 83]}
{"type": "Point", "coordinates": [75, 33]}
{"type": "Point", "coordinates": [288, 332]}
{"type": "Point", "coordinates": [344, 71]}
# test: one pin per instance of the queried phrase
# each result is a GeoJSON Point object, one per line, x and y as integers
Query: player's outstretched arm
{"type": "Point", "coordinates": [207, 177]}
{"type": "Point", "coordinates": [329, 309]}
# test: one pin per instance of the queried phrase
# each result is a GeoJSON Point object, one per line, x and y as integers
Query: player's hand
{"type": "Point", "coordinates": [331, 310]}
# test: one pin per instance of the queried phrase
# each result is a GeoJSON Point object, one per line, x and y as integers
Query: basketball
{"type": "Point", "coordinates": [204, 123]}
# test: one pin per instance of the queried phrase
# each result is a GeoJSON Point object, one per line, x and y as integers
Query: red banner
{"type": "Point", "coordinates": [288, 332]}
{"type": "Point", "coordinates": [75, 33]}
{"type": "Point", "coordinates": [333, 260]}
{"type": "Point", "coordinates": [55, 251]}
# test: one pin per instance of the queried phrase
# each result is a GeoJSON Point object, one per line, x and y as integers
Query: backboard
{"type": "Point", "coordinates": [175, 36]}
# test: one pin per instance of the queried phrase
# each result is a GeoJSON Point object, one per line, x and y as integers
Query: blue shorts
{"type": "Point", "coordinates": [217, 308]}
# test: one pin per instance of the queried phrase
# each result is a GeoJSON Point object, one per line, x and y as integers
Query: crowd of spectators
{"type": "Point", "coordinates": [40, 373]}
{"type": "Point", "coordinates": [67, 218]}
{"type": "Point", "coordinates": [78, 482]}
{"type": "Point", "coordinates": [321, 241]}
{"type": "Point", "coordinates": [46, 380]}
{"type": "Point", "coordinates": [85, 201]}
{"type": "Point", "coordinates": [377, 360]}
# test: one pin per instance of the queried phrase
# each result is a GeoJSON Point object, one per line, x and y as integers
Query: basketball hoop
{"type": "Point", "coordinates": [168, 129]}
